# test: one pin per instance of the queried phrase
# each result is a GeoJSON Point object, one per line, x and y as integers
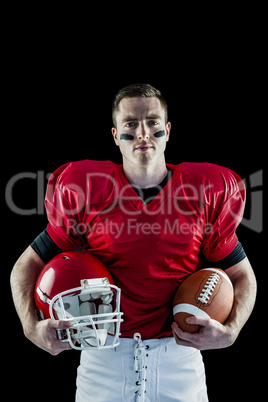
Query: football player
{"type": "Point", "coordinates": [152, 224]}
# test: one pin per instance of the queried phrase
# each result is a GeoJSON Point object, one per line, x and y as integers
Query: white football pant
{"type": "Point", "coordinates": [155, 370]}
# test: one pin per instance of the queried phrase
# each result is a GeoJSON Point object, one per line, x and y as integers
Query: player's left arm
{"type": "Point", "coordinates": [214, 335]}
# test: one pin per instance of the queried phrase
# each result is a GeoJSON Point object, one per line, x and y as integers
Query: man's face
{"type": "Point", "coordinates": [141, 131]}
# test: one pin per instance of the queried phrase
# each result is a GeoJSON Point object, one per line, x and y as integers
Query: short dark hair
{"type": "Point", "coordinates": [138, 91]}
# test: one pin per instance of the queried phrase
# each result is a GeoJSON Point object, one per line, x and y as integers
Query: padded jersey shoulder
{"type": "Point", "coordinates": [94, 179]}
{"type": "Point", "coordinates": [76, 172]}
{"type": "Point", "coordinates": [217, 183]}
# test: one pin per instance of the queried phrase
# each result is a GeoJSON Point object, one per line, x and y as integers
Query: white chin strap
{"type": "Point", "coordinates": [88, 337]}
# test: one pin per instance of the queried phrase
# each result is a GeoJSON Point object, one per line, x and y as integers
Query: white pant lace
{"type": "Point", "coordinates": [108, 375]}
{"type": "Point", "coordinates": [140, 367]}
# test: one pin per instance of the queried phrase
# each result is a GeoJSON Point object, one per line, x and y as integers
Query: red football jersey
{"type": "Point", "coordinates": [149, 249]}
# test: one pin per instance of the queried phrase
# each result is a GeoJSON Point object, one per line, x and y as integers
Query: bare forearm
{"type": "Point", "coordinates": [23, 279]}
{"type": "Point", "coordinates": [245, 288]}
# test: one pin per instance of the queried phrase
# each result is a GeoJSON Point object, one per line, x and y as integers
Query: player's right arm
{"type": "Point", "coordinates": [61, 203]}
{"type": "Point", "coordinates": [23, 278]}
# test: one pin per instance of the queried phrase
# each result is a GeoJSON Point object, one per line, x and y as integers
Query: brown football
{"type": "Point", "coordinates": [206, 293]}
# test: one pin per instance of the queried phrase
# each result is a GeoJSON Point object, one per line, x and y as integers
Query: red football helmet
{"type": "Point", "coordinates": [77, 287]}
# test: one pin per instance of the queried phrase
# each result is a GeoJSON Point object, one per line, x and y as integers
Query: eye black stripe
{"type": "Point", "coordinates": [128, 137]}
{"type": "Point", "coordinates": [159, 134]}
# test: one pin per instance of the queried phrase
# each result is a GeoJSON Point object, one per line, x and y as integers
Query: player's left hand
{"type": "Point", "coordinates": [212, 334]}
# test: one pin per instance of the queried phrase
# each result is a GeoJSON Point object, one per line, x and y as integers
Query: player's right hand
{"type": "Point", "coordinates": [44, 335]}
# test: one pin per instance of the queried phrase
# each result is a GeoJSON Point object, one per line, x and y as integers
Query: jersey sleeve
{"type": "Point", "coordinates": [64, 204]}
{"type": "Point", "coordinates": [224, 207]}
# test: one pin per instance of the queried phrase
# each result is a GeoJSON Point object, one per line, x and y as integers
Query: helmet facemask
{"type": "Point", "coordinates": [94, 311]}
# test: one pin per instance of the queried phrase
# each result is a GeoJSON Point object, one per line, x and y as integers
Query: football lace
{"type": "Point", "coordinates": [209, 288]}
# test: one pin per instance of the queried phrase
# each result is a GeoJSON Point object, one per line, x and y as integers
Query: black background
{"type": "Point", "coordinates": [58, 109]}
